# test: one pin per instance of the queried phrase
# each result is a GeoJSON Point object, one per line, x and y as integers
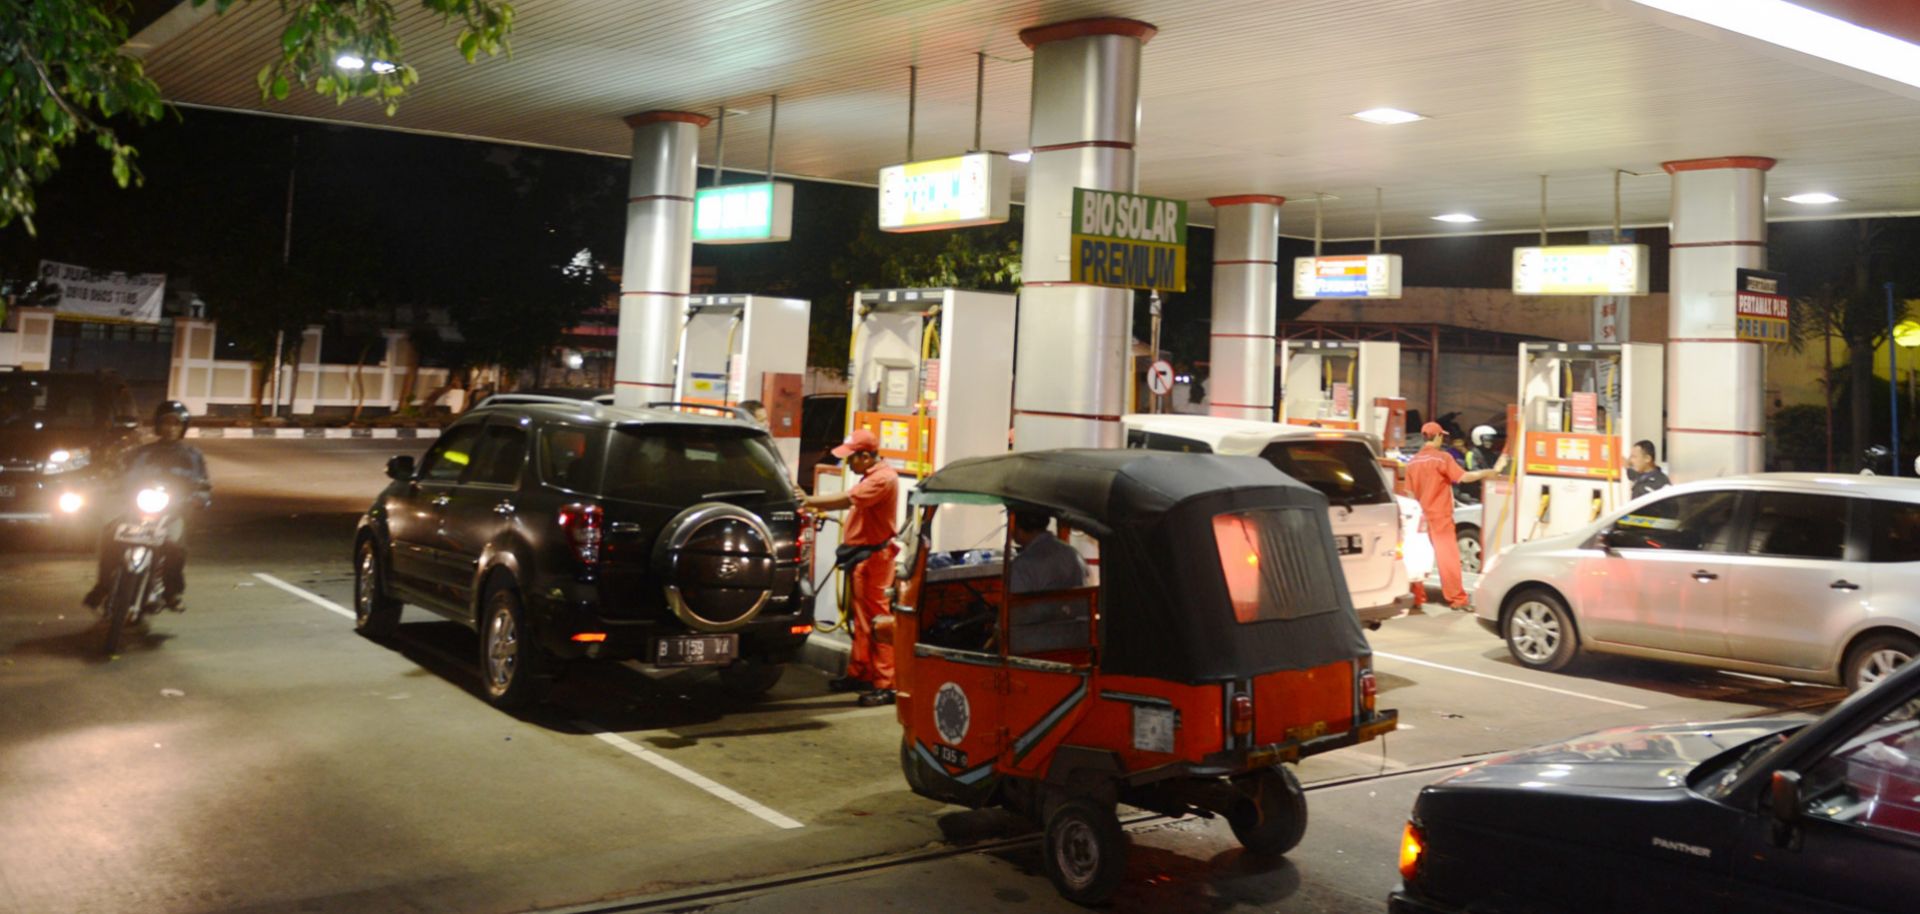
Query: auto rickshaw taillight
{"type": "Point", "coordinates": [583, 525]}
{"type": "Point", "coordinates": [1242, 715]}
{"type": "Point", "coordinates": [1368, 690]}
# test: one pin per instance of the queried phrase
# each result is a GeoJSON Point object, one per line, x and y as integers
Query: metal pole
{"type": "Point", "coordinates": [1376, 220]}
{"type": "Point", "coordinates": [1827, 334]}
{"type": "Point", "coordinates": [1893, 381]}
{"type": "Point", "coordinates": [1316, 225]}
{"type": "Point", "coordinates": [1616, 206]}
{"type": "Point", "coordinates": [1153, 306]}
{"type": "Point", "coordinates": [1543, 211]}
{"type": "Point", "coordinates": [286, 259]}
{"type": "Point", "coordinates": [720, 148]}
{"type": "Point", "coordinates": [773, 124]}
{"type": "Point", "coordinates": [979, 94]}
{"type": "Point", "coordinates": [913, 99]}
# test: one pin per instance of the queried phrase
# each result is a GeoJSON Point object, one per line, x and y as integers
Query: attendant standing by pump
{"type": "Point", "coordinates": [1431, 476]}
{"type": "Point", "coordinates": [869, 530]}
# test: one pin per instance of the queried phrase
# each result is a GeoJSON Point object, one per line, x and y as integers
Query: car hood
{"type": "Point", "coordinates": [1654, 757]}
{"type": "Point", "coordinates": [18, 444]}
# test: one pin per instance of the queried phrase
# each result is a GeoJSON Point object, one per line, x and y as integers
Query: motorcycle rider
{"type": "Point", "coordinates": [1480, 456]}
{"type": "Point", "coordinates": [181, 465]}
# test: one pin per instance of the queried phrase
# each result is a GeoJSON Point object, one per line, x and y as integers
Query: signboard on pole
{"type": "Point", "coordinates": [972, 189]}
{"type": "Point", "coordinates": [1581, 269]}
{"type": "Point", "coordinates": [1347, 276]}
{"type": "Point", "coordinates": [743, 213]}
{"type": "Point", "coordinates": [1129, 241]}
{"type": "Point", "coordinates": [1760, 306]}
{"type": "Point", "coordinates": [87, 294]}
{"type": "Point", "coordinates": [1160, 378]}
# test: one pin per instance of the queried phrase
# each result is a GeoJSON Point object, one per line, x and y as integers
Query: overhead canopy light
{"type": "Point", "coordinates": [1456, 217]}
{"type": "Point", "coordinates": [1800, 29]}
{"type": "Point", "coordinates": [1024, 155]}
{"type": "Point", "coordinates": [1814, 198]}
{"type": "Point", "coordinates": [1387, 116]}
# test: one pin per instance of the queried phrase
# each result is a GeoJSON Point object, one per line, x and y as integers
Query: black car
{"type": "Point", "coordinates": [1777, 815]}
{"type": "Point", "coordinates": [564, 530]}
{"type": "Point", "coordinates": [63, 435]}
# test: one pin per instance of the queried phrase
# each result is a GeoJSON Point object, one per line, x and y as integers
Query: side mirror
{"type": "Point", "coordinates": [1783, 797]}
{"type": "Point", "coordinates": [1611, 539]}
{"type": "Point", "coordinates": [400, 467]}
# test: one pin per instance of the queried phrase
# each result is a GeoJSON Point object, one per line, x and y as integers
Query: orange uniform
{"type": "Point", "coordinates": [870, 522]}
{"type": "Point", "coordinates": [1431, 475]}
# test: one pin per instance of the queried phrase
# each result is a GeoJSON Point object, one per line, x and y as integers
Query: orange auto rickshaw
{"type": "Point", "coordinates": [1218, 644]}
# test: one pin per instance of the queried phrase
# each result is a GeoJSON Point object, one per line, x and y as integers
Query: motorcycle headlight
{"type": "Point", "coordinates": [66, 460]}
{"type": "Point", "coordinates": [152, 501]}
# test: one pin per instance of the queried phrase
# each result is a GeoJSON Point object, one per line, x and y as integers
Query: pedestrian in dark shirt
{"type": "Point", "coordinates": [1646, 474]}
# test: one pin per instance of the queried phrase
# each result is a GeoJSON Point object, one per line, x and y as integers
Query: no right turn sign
{"type": "Point", "coordinates": [1160, 378]}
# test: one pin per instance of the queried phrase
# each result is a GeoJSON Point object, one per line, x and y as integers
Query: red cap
{"type": "Point", "coordinates": [1426, 431]}
{"type": "Point", "coordinates": [860, 440]}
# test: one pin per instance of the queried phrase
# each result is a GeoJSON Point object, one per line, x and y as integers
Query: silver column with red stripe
{"type": "Point", "coordinates": [656, 272]}
{"type": "Point", "coordinates": [1074, 349]}
{"type": "Point", "coordinates": [1246, 273]}
{"type": "Point", "coordinates": [1716, 382]}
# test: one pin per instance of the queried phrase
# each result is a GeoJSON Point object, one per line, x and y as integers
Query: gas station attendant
{"type": "Point", "coordinates": [1431, 476]}
{"type": "Point", "coordinates": [870, 523]}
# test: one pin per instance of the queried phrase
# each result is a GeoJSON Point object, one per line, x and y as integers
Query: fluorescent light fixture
{"type": "Point", "coordinates": [1456, 217]}
{"type": "Point", "coordinates": [383, 68]}
{"type": "Point", "coordinates": [349, 62]}
{"type": "Point", "coordinates": [1024, 155]}
{"type": "Point", "coordinates": [1387, 116]}
{"type": "Point", "coordinates": [1800, 29]}
{"type": "Point", "coordinates": [1817, 197]}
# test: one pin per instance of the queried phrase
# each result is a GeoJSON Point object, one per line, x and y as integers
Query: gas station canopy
{"type": "Point", "coordinates": [1237, 96]}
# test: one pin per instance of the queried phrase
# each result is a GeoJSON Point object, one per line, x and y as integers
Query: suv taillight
{"type": "Point", "coordinates": [1368, 691]}
{"type": "Point", "coordinates": [1242, 715]}
{"type": "Point", "coordinates": [584, 526]}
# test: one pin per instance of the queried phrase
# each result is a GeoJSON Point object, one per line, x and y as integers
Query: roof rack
{"type": "Point", "coordinates": [734, 412]}
{"type": "Point", "coordinates": [511, 399]}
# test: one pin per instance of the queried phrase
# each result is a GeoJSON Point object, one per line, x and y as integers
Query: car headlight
{"type": "Point", "coordinates": [66, 460]}
{"type": "Point", "coordinates": [152, 501]}
{"type": "Point", "coordinates": [71, 502]}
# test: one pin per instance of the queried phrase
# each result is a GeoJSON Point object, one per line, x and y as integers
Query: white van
{"type": "Point", "coordinates": [1343, 465]}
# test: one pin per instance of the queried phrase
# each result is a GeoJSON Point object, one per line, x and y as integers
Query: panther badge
{"type": "Point", "coordinates": [951, 713]}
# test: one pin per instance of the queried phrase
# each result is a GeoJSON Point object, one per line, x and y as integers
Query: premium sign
{"type": "Point", "coordinates": [743, 213]}
{"type": "Point", "coordinates": [1348, 276]}
{"type": "Point", "coordinates": [87, 294]}
{"type": "Point", "coordinates": [1129, 241]}
{"type": "Point", "coordinates": [972, 189]}
{"type": "Point", "coordinates": [1760, 306]}
{"type": "Point", "coordinates": [1581, 269]}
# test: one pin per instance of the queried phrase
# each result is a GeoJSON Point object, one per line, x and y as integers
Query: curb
{"type": "Point", "coordinates": [304, 433]}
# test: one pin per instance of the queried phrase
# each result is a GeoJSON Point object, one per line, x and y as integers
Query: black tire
{"type": "Point", "coordinates": [1539, 631]}
{"type": "Point", "coordinates": [375, 614]}
{"type": "Point", "coordinates": [750, 678]}
{"type": "Point", "coordinates": [1085, 852]}
{"type": "Point", "coordinates": [1873, 657]}
{"type": "Point", "coordinates": [122, 597]}
{"type": "Point", "coordinates": [1468, 539]}
{"type": "Point", "coordinates": [1273, 816]}
{"type": "Point", "coordinates": [513, 667]}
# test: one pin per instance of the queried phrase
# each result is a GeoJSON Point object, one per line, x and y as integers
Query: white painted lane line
{"type": "Point", "coordinates": [689, 775]}
{"type": "Point", "coordinates": [1530, 685]}
{"type": "Point", "coordinates": [306, 595]}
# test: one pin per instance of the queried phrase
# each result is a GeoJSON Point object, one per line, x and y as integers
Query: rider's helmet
{"type": "Point", "coordinates": [1483, 435]}
{"type": "Point", "coordinates": [172, 409]}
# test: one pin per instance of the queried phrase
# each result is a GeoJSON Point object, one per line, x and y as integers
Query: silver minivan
{"type": "Point", "coordinates": [1803, 576]}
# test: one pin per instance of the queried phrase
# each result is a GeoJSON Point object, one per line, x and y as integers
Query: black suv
{"type": "Point", "coordinates": [62, 436]}
{"type": "Point", "coordinates": [563, 529]}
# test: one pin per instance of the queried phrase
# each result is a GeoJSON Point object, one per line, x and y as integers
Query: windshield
{"type": "Point", "coordinates": [681, 464]}
{"type": "Point", "coordinates": [42, 402]}
{"type": "Point", "coordinates": [1342, 470]}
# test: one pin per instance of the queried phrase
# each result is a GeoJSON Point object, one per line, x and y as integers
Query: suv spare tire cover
{"type": "Point", "coordinates": [715, 561]}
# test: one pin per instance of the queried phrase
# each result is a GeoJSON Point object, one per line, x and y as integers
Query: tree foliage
{"type": "Point", "coordinates": [65, 75]}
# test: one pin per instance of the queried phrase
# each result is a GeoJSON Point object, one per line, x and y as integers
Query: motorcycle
{"type": "Point", "coordinates": [1877, 460]}
{"type": "Point", "coordinates": [137, 588]}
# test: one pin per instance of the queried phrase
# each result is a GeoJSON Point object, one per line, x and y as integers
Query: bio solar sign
{"type": "Point", "coordinates": [743, 213]}
{"type": "Point", "coordinates": [1129, 241]}
{"type": "Point", "coordinates": [1350, 276]}
{"type": "Point", "coordinates": [1581, 269]}
{"type": "Point", "coordinates": [1760, 306]}
{"type": "Point", "coordinates": [964, 190]}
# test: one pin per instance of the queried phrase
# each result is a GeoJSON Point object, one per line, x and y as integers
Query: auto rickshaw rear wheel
{"type": "Point", "coordinates": [1271, 817]}
{"type": "Point", "coordinates": [1085, 852]}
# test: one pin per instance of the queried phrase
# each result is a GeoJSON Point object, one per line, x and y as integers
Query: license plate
{"type": "Point", "coordinates": [6, 491]}
{"type": "Point", "coordinates": [949, 756]}
{"type": "Point", "coordinates": [139, 535]}
{"type": "Point", "coordinates": [1349, 543]}
{"type": "Point", "coordinates": [696, 650]}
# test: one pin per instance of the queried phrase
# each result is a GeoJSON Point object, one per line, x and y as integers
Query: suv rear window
{"type": "Point", "coordinates": [1342, 470]}
{"type": "Point", "coordinates": [41, 402]}
{"type": "Point", "coordinates": [682, 464]}
{"type": "Point", "coordinates": [1276, 564]}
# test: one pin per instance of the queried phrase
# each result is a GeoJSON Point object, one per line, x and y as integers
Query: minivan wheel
{"type": "Point", "coordinates": [512, 666]}
{"type": "Point", "coordinates": [1539, 631]}
{"type": "Point", "coordinates": [375, 614]}
{"type": "Point", "coordinates": [1875, 658]}
{"type": "Point", "coordinates": [1469, 542]}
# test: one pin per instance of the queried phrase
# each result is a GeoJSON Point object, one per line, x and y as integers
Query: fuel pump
{"type": "Point", "coordinates": [931, 375]}
{"type": "Point", "coordinates": [1339, 383]}
{"type": "Point", "coordinates": [743, 347]}
{"type": "Point", "coordinates": [1582, 405]}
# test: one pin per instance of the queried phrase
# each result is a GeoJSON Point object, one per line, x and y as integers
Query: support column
{"type": "Point", "coordinates": [1246, 273]}
{"type": "Point", "coordinates": [656, 271]}
{"type": "Point", "coordinates": [1074, 355]}
{"type": "Point", "coordinates": [1716, 382]}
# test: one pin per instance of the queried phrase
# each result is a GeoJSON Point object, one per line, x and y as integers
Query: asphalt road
{"type": "Point", "coordinates": [254, 754]}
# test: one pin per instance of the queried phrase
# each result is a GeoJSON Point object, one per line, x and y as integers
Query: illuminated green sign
{"type": "Point", "coordinates": [743, 213]}
{"type": "Point", "coordinates": [1129, 241]}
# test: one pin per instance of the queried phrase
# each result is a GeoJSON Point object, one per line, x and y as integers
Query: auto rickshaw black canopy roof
{"type": "Point", "coordinates": [1167, 611]}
